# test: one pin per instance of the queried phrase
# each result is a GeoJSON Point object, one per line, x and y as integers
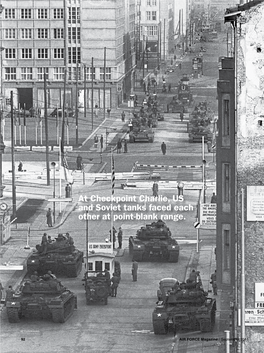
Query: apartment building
{"type": "Point", "coordinates": [60, 38]}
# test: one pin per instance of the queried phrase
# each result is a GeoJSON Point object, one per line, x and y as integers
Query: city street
{"type": "Point", "coordinates": [125, 324]}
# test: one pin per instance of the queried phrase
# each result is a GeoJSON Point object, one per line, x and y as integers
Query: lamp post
{"type": "Point", "coordinates": [2, 146]}
{"type": "Point", "coordinates": [53, 164]}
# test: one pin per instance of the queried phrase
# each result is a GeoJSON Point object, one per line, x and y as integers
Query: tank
{"type": "Point", "coordinates": [97, 287]}
{"type": "Point", "coordinates": [200, 124]}
{"type": "Point", "coordinates": [185, 307]}
{"type": "Point", "coordinates": [154, 242]}
{"type": "Point", "coordinates": [42, 299]}
{"type": "Point", "coordinates": [141, 135]}
{"type": "Point", "coordinates": [184, 93]}
{"type": "Point", "coordinates": [60, 257]}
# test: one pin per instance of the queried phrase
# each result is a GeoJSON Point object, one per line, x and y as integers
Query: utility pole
{"type": "Point", "coordinates": [164, 38]}
{"type": "Point", "coordinates": [13, 160]}
{"type": "Point", "coordinates": [85, 89]}
{"type": "Point", "coordinates": [76, 102]}
{"type": "Point", "coordinates": [104, 77]}
{"type": "Point", "coordinates": [2, 148]}
{"type": "Point", "coordinates": [46, 128]}
{"type": "Point", "coordinates": [92, 91]}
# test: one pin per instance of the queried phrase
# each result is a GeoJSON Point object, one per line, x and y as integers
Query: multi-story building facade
{"type": "Point", "coordinates": [60, 38]}
{"type": "Point", "coordinates": [240, 174]}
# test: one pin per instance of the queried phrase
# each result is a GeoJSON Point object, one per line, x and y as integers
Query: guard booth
{"type": "Point", "coordinates": [101, 257]}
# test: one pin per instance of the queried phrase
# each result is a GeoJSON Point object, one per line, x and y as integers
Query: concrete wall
{"type": "Point", "coordinates": [250, 151]}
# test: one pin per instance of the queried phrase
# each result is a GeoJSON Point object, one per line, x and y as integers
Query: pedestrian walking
{"type": "Point", "coordinates": [49, 218]}
{"type": "Point", "coordinates": [120, 238]}
{"type": "Point", "coordinates": [163, 148]}
{"type": "Point", "coordinates": [79, 162]}
{"type": "Point", "coordinates": [114, 286]}
{"type": "Point", "coordinates": [123, 115]}
{"type": "Point", "coordinates": [125, 146]}
{"type": "Point", "coordinates": [102, 141]}
{"type": "Point", "coordinates": [9, 294]}
{"type": "Point", "coordinates": [134, 270]}
{"type": "Point", "coordinates": [155, 189]}
{"type": "Point", "coordinates": [96, 141]}
{"type": "Point", "coordinates": [213, 282]}
{"type": "Point", "coordinates": [96, 110]}
{"type": "Point", "coordinates": [108, 112]}
{"type": "Point", "coordinates": [214, 198]}
{"type": "Point", "coordinates": [180, 66]}
{"type": "Point", "coordinates": [119, 146]}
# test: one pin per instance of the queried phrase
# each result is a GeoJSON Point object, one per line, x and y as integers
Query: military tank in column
{"type": "Point", "coordinates": [59, 256]}
{"type": "Point", "coordinates": [41, 299]}
{"type": "Point", "coordinates": [185, 307]}
{"type": "Point", "coordinates": [154, 242]}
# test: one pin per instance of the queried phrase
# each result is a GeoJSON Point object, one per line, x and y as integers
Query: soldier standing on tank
{"type": "Point", "coordinates": [193, 276]}
{"type": "Point", "coordinates": [115, 282]}
{"type": "Point", "coordinates": [134, 270]}
{"type": "Point", "coordinates": [44, 243]}
{"type": "Point", "coordinates": [9, 294]}
{"type": "Point", "coordinates": [34, 277]}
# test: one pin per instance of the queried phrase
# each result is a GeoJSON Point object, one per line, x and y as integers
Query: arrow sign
{"type": "Point", "coordinates": [197, 225]}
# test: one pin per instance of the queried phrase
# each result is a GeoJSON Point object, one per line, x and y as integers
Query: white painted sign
{"type": "Point", "coordinates": [208, 215]}
{"type": "Point", "coordinates": [100, 247]}
{"type": "Point", "coordinates": [259, 292]}
{"type": "Point", "coordinates": [254, 317]}
{"type": "Point", "coordinates": [255, 203]}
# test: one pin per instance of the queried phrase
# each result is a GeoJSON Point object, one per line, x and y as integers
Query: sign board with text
{"type": "Point", "coordinates": [208, 215]}
{"type": "Point", "coordinates": [255, 203]}
{"type": "Point", "coordinates": [254, 317]}
{"type": "Point", "coordinates": [100, 247]}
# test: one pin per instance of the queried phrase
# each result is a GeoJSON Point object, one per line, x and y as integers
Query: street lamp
{"type": "Point", "coordinates": [53, 164]}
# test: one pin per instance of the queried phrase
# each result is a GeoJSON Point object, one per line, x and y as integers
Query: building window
{"type": "Point", "coordinates": [149, 2]}
{"type": "Point", "coordinates": [41, 71]}
{"type": "Point", "coordinates": [10, 73]}
{"type": "Point", "coordinates": [154, 2]}
{"type": "Point", "coordinates": [90, 266]}
{"type": "Point", "coordinates": [152, 30]}
{"type": "Point", "coordinates": [154, 15]}
{"type": "Point", "coordinates": [226, 182]}
{"type": "Point", "coordinates": [226, 117]}
{"type": "Point", "coordinates": [26, 13]}
{"type": "Point", "coordinates": [89, 73]}
{"type": "Point", "coordinates": [43, 53]}
{"type": "Point", "coordinates": [26, 53]}
{"type": "Point", "coordinates": [10, 53]}
{"type": "Point", "coordinates": [58, 33]}
{"type": "Point", "coordinates": [42, 33]}
{"type": "Point", "coordinates": [42, 13]}
{"type": "Point", "coordinates": [226, 249]}
{"type": "Point", "coordinates": [107, 266]}
{"type": "Point", "coordinates": [107, 73]}
{"type": "Point", "coordinates": [58, 74]}
{"type": "Point", "coordinates": [10, 13]}
{"type": "Point", "coordinates": [10, 33]}
{"type": "Point", "coordinates": [26, 73]}
{"type": "Point", "coordinates": [74, 55]}
{"type": "Point", "coordinates": [148, 15]}
{"type": "Point", "coordinates": [74, 34]}
{"type": "Point", "coordinates": [58, 13]}
{"type": "Point", "coordinates": [26, 33]}
{"type": "Point", "coordinates": [58, 53]}
{"type": "Point", "coordinates": [74, 15]}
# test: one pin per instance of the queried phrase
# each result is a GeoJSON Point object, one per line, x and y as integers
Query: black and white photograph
{"type": "Point", "coordinates": [131, 176]}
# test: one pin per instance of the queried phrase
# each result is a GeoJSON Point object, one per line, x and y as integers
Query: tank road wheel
{"type": "Point", "coordinates": [13, 315]}
{"type": "Point", "coordinates": [160, 327]}
{"type": "Point", "coordinates": [60, 315]}
{"type": "Point", "coordinates": [173, 257]}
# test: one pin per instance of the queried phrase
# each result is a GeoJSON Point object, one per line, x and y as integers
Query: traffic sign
{"type": "Point", "coordinates": [66, 199]}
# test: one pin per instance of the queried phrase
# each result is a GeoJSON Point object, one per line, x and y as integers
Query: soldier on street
{"type": "Point", "coordinates": [123, 115]}
{"type": "Point", "coordinates": [1, 291]}
{"type": "Point", "coordinates": [44, 243]}
{"type": "Point", "coordinates": [155, 189]}
{"type": "Point", "coordinates": [49, 218]}
{"type": "Point", "coordinates": [108, 281]}
{"type": "Point", "coordinates": [115, 282]}
{"type": "Point", "coordinates": [193, 276]}
{"type": "Point", "coordinates": [34, 277]}
{"type": "Point", "coordinates": [79, 162]}
{"type": "Point", "coordinates": [134, 270]}
{"type": "Point", "coordinates": [102, 141]}
{"type": "Point", "coordinates": [120, 238]}
{"type": "Point", "coordinates": [119, 146]}
{"type": "Point", "coordinates": [125, 146]}
{"type": "Point", "coordinates": [214, 198]}
{"type": "Point", "coordinates": [114, 236]}
{"type": "Point", "coordinates": [163, 148]}
{"type": "Point", "coordinates": [213, 282]}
